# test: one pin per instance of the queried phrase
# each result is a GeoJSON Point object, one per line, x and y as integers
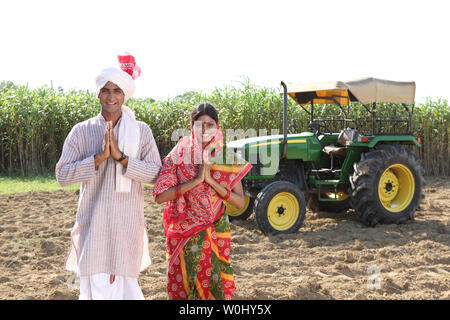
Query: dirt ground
{"type": "Point", "coordinates": [333, 256]}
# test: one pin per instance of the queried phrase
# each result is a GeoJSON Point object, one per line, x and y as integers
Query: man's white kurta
{"type": "Point", "coordinates": [109, 235]}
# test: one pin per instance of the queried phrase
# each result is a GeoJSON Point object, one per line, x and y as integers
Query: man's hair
{"type": "Point", "coordinates": [202, 109]}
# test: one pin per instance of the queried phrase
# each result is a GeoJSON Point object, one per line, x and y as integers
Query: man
{"type": "Point", "coordinates": [111, 155]}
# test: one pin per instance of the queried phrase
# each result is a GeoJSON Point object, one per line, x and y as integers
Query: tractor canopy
{"type": "Point", "coordinates": [366, 91]}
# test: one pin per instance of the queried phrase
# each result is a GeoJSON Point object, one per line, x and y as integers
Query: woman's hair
{"type": "Point", "coordinates": [202, 109]}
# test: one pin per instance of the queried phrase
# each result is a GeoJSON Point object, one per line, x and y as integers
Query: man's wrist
{"type": "Point", "coordinates": [115, 156]}
{"type": "Point", "coordinates": [122, 157]}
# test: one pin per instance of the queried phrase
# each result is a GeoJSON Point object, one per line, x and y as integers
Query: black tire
{"type": "Point", "coordinates": [336, 206]}
{"type": "Point", "coordinates": [244, 213]}
{"type": "Point", "coordinates": [370, 176]}
{"type": "Point", "coordinates": [293, 197]}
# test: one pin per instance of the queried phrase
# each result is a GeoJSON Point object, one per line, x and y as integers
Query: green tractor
{"type": "Point", "coordinates": [341, 163]}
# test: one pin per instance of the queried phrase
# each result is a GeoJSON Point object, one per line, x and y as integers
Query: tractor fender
{"type": "Point", "coordinates": [292, 170]}
{"type": "Point", "coordinates": [392, 139]}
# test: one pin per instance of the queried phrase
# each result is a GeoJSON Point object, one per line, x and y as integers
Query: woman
{"type": "Point", "coordinates": [195, 186]}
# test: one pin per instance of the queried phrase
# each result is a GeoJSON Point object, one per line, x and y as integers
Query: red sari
{"type": "Point", "coordinates": [197, 237]}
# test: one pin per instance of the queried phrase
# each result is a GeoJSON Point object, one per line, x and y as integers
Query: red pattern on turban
{"type": "Point", "coordinates": [128, 64]}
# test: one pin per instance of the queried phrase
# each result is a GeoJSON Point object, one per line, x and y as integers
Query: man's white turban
{"type": "Point", "coordinates": [123, 77]}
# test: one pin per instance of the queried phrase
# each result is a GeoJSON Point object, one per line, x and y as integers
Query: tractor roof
{"type": "Point", "coordinates": [366, 91]}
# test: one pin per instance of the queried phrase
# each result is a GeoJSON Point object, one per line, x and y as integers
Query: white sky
{"type": "Point", "coordinates": [198, 45]}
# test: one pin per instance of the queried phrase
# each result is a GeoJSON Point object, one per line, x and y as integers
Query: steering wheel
{"type": "Point", "coordinates": [319, 128]}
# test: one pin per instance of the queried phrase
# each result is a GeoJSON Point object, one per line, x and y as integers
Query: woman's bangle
{"type": "Point", "coordinates": [227, 196]}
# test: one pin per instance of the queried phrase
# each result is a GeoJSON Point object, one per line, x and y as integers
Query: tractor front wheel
{"type": "Point", "coordinates": [280, 207]}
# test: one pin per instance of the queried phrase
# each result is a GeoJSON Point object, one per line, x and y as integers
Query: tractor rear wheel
{"type": "Point", "coordinates": [280, 207]}
{"type": "Point", "coordinates": [387, 185]}
{"type": "Point", "coordinates": [240, 214]}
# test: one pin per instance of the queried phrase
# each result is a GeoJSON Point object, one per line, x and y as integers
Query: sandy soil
{"type": "Point", "coordinates": [333, 256]}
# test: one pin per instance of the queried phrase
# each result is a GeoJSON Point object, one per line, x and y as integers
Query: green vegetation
{"type": "Point", "coordinates": [35, 123]}
{"type": "Point", "coordinates": [43, 182]}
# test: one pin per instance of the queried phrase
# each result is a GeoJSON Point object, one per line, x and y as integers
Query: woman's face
{"type": "Point", "coordinates": [208, 128]}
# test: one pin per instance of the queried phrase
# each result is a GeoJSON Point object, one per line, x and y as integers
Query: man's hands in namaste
{"type": "Point", "coordinates": [110, 146]}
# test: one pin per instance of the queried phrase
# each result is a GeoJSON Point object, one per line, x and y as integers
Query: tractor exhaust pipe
{"type": "Point", "coordinates": [284, 119]}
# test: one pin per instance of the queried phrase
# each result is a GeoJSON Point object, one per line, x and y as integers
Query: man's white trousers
{"type": "Point", "coordinates": [99, 287]}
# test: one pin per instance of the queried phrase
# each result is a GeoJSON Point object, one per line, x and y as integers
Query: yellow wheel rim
{"type": "Point", "coordinates": [235, 212]}
{"type": "Point", "coordinates": [283, 211]}
{"type": "Point", "coordinates": [396, 188]}
{"type": "Point", "coordinates": [340, 196]}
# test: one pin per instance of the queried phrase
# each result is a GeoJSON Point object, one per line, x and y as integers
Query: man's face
{"type": "Point", "coordinates": [111, 97]}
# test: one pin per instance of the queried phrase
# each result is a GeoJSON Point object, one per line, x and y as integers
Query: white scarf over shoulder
{"type": "Point", "coordinates": [129, 133]}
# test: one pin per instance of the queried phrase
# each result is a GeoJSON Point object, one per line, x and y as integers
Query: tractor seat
{"type": "Point", "coordinates": [345, 138]}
